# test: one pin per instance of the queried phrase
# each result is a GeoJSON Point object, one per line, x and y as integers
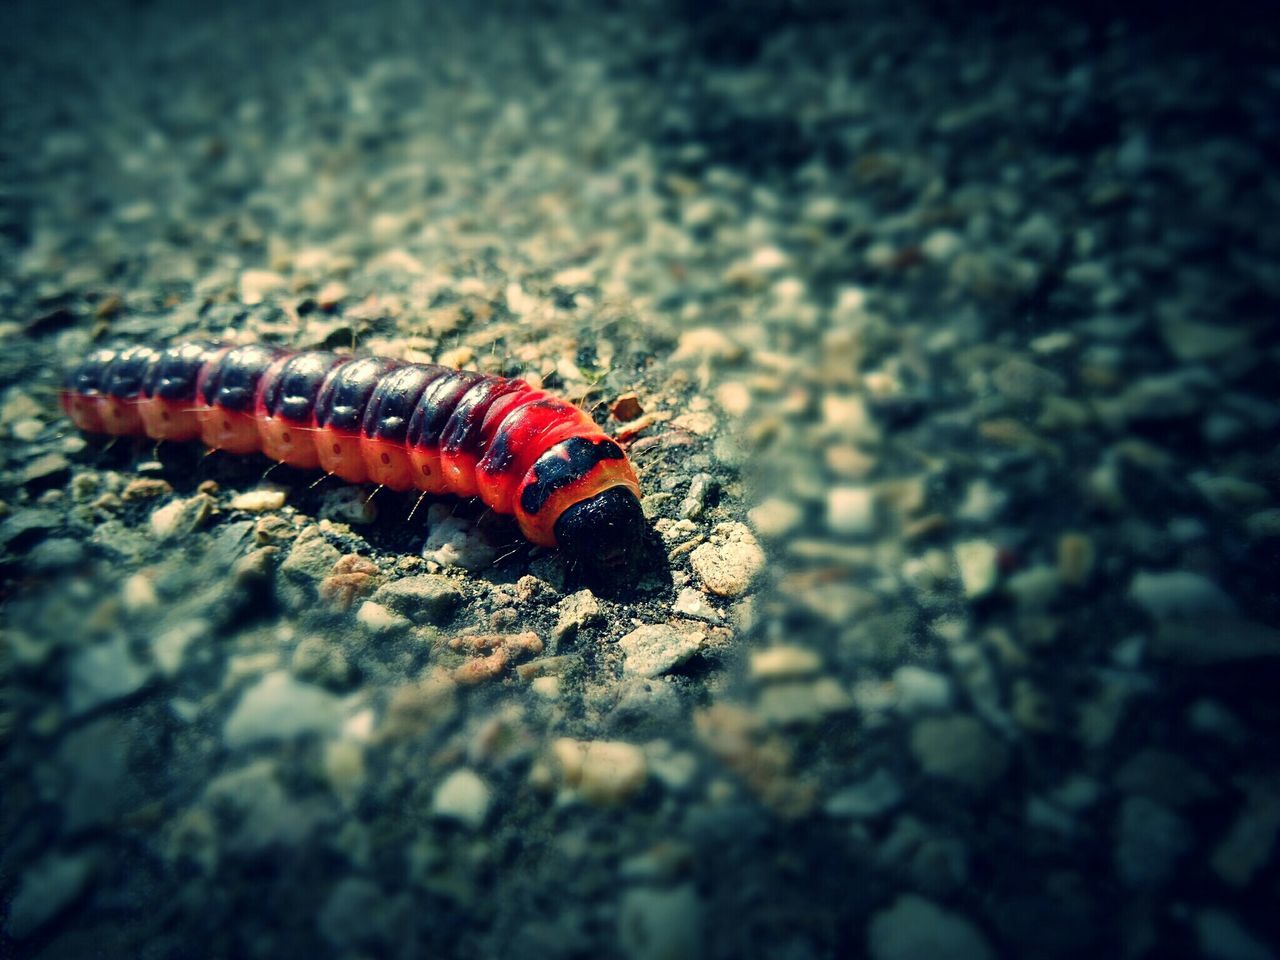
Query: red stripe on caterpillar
{"type": "Point", "coordinates": [522, 451]}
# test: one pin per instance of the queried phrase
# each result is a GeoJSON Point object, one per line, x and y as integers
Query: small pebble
{"type": "Point", "coordinates": [258, 501]}
{"type": "Point", "coordinates": [730, 561]}
{"type": "Point", "coordinates": [463, 797]}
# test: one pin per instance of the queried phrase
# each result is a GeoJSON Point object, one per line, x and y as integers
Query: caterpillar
{"type": "Point", "coordinates": [524, 452]}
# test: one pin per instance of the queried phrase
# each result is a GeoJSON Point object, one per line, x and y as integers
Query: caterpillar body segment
{"type": "Point", "coordinates": [404, 426]}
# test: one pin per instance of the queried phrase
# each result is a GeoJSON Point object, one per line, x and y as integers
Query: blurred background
{"type": "Point", "coordinates": [943, 338]}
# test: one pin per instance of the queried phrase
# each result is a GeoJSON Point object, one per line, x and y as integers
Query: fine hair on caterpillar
{"type": "Point", "coordinates": [404, 426]}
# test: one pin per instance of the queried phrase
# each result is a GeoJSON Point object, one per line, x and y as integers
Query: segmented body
{"type": "Point", "coordinates": [403, 425]}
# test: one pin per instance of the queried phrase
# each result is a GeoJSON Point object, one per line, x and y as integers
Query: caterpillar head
{"type": "Point", "coordinates": [605, 533]}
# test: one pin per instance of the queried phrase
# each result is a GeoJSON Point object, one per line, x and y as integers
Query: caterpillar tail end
{"type": "Point", "coordinates": [604, 532]}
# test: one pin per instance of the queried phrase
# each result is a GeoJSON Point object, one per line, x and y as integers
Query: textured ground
{"type": "Point", "coordinates": [953, 342]}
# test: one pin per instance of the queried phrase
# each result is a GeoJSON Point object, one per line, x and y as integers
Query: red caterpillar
{"type": "Point", "coordinates": [373, 420]}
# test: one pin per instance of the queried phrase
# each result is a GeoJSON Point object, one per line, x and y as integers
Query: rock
{"type": "Point", "coordinates": [602, 772]}
{"type": "Point", "coordinates": [428, 598]}
{"type": "Point", "coordinates": [851, 511]}
{"type": "Point", "coordinates": [784, 704]}
{"type": "Point", "coordinates": [280, 707]}
{"type": "Point", "coordinates": [919, 690]}
{"type": "Point", "coordinates": [914, 928]}
{"type": "Point", "coordinates": [1075, 558]}
{"type": "Point", "coordinates": [730, 561]}
{"type": "Point", "coordinates": [1214, 640]}
{"type": "Point", "coordinates": [978, 563]}
{"type": "Point", "coordinates": [463, 797]}
{"type": "Point", "coordinates": [1035, 588]}
{"type": "Point", "coordinates": [55, 555]}
{"type": "Point", "coordinates": [263, 813]}
{"type": "Point", "coordinates": [258, 501]}
{"type": "Point", "coordinates": [43, 473]}
{"type": "Point", "coordinates": [102, 674]}
{"type": "Point", "coordinates": [577, 610]}
{"type": "Point", "coordinates": [876, 795]}
{"type": "Point", "coordinates": [1248, 845]}
{"type": "Point", "coordinates": [256, 285]}
{"type": "Point", "coordinates": [1150, 841]}
{"type": "Point", "coordinates": [169, 648]}
{"type": "Point", "coordinates": [695, 501]}
{"type": "Point", "coordinates": [311, 559]}
{"type": "Point", "coordinates": [344, 769]}
{"type": "Point", "coordinates": [1024, 382]}
{"type": "Point", "coordinates": [353, 916]}
{"type": "Point", "coordinates": [1179, 595]}
{"type": "Point", "coordinates": [351, 505]}
{"type": "Point", "coordinates": [1164, 777]}
{"type": "Point", "coordinates": [705, 343]}
{"type": "Point", "coordinates": [655, 648]}
{"type": "Point", "coordinates": [660, 924]}
{"type": "Point", "coordinates": [774, 517]}
{"type": "Point", "coordinates": [456, 542]}
{"type": "Point", "coordinates": [318, 659]}
{"type": "Point", "coordinates": [181, 518]}
{"type": "Point", "coordinates": [377, 619]}
{"type": "Point", "coordinates": [941, 245]}
{"type": "Point", "coordinates": [96, 785]}
{"type": "Point", "coordinates": [626, 408]}
{"type": "Point", "coordinates": [47, 888]}
{"type": "Point", "coordinates": [691, 602]}
{"type": "Point", "coordinates": [1222, 937]}
{"type": "Point", "coordinates": [784, 663]}
{"type": "Point", "coordinates": [958, 748]}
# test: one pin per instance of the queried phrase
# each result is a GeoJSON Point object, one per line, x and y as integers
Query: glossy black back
{"type": "Point", "coordinates": [124, 375]}
{"type": "Point", "coordinates": [231, 380]}
{"type": "Point", "coordinates": [292, 393]}
{"type": "Point", "coordinates": [174, 374]}
{"type": "Point", "coordinates": [345, 394]}
{"type": "Point", "coordinates": [437, 406]}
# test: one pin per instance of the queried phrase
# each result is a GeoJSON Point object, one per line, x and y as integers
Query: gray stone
{"type": "Point", "coordinates": [428, 598]}
{"type": "Point", "coordinates": [1179, 595]}
{"type": "Point", "coordinates": [51, 470]}
{"type": "Point", "coordinates": [655, 648]}
{"type": "Point", "coordinates": [691, 602]}
{"type": "Point", "coordinates": [919, 690]}
{"type": "Point", "coordinates": [263, 815]}
{"type": "Point", "coordinates": [53, 556]}
{"type": "Point", "coordinates": [280, 707]}
{"type": "Point", "coordinates": [730, 561]}
{"type": "Point", "coordinates": [695, 501]}
{"type": "Point", "coordinates": [577, 610]}
{"type": "Point", "coordinates": [181, 518]}
{"type": "Point", "coordinates": [95, 784]}
{"type": "Point", "coordinates": [47, 887]}
{"type": "Point", "coordinates": [1151, 839]}
{"type": "Point", "coordinates": [1214, 640]}
{"type": "Point", "coordinates": [1222, 937]}
{"type": "Point", "coordinates": [354, 914]}
{"type": "Point", "coordinates": [803, 702]}
{"type": "Point", "coordinates": [311, 559]}
{"type": "Point", "coordinates": [914, 928]}
{"type": "Point", "coordinates": [463, 797]}
{"type": "Point", "coordinates": [321, 661]}
{"type": "Point", "coordinates": [1164, 777]}
{"type": "Point", "coordinates": [660, 924]}
{"type": "Point", "coordinates": [102, 674]}
{"type": "Point", "coordinates": [876, 795]}
{"type": "Point", "coordinates": [958, 748]}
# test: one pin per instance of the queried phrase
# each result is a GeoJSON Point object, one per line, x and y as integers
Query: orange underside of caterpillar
{"type": "Point", "coordinates": [522, 451]}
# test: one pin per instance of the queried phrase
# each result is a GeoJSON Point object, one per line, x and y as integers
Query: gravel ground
{"type": "Point", "coordinates": [944, 345]}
